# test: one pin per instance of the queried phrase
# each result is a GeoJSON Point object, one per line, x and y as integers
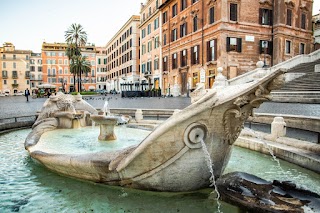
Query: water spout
{"type": "Point", "coordinates": [212, 178]}
{"type": "Point", "coordinates": [105, 109]}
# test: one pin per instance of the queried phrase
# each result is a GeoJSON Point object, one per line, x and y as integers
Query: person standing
{"type": "Point", "coordinates": [27, 93]}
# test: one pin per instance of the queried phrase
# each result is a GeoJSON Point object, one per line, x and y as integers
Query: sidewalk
{"type": "Point", "coordinates": [14, 106]}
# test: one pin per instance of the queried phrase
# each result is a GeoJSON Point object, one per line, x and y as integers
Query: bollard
{"type": "Point", "coordinates": [278, 127]}
{"type": "Point", "coordinates": [138, 115]}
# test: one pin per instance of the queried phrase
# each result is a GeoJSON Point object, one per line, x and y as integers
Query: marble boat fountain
{"type": "Point", "coordinates": [170, 158]}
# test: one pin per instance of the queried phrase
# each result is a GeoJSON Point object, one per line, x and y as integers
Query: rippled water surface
{"type": "Point", "coordinates": [28, 187]}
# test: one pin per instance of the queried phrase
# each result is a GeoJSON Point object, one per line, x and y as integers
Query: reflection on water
{"type": "Point", "coordinates": [28, 187]}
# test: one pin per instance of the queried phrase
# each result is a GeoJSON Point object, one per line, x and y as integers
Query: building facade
{"type": "Point", "coordinates": [14, 68]}
{"type": "Point", "coordinates": [198, 36]}
{"type": "Point", "coordinates": [150, 45]}
{"type": "Point", "coordinates": [35, 71]}
{"type": "Point", "coordinates": [101, 63]}
{"type": "Point", "coordinates": [123, 57]}
{"type": "Point", "coordinates": [56, 70]}
{"type": "Point", "coordinates": [316, 31]}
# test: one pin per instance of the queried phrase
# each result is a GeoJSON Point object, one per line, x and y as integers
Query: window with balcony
{"type": "Point", "coordinates": [4, 74]}
{"type": "Point", "coordinates": [234, 44]}
{"type": "Point", "coordinates": [149, 67]}
{"type": "Point", "coordinates": [265, 16]}
{"type": "Point", "coordinates": [183, 58]}
{"type": "Point", "coordinates": [195, 54]}
{"type": "Point", "coordinates": [233, 12]}
{"type": "Point", "coordinates": [212, 50]}
{"type": "Point", "coordinates": [174, 61]}
{"type": "Point", "coordinates": [183, 30]}
{"type": "Point", "coordinates": [14, 74]}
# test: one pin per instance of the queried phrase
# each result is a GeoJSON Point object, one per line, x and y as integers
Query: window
{"type": "Point", "coordinates": [156, 64]}
{"type": "Point", "coordinates": [27, 57]}
{"type": "Point", "coordinates": [149, 29]}
{"type": "Point", "coordinates": [234, 44]}
{"type": "Point", "coordinates": [3, 56]}
{"type": "Point", "coordinates": [265, 47]}
{"type": "Point", "coordinates": [165, 63]}
{"type": "Point", "coordinates": [143, 68]}
{"type": "Point", "coordinates": [143, 33]}
{"type": "Point", "coordinates": [211, 15]}
{"type": "Point", "coordinates": [301, 48]}
{"type": "Point", "coordinates": [183, 30]}
{"type": "Point", "coordinates": [149, 46]}
{"type": "Point", "coordinates": [149, 66]}
{"type": "Point", "coordinates": [265, 16]}
{"type": "Point", "coordinates": [174, 35]}
{"type": "Point", "coordinates": [174, 10]}
{"type": "Point", "coordinates": [156, 23]}
{"type": "Point", "coordinates": [164, 39]}
{"type": "Point", "coordinates": [143, 51]}
{"type": "Point", "coordinates": [4, 74]}
{"type": "Point", "coordinates": [183, 58]}
{"type": "Point", "coordinates": [194, 1]}
{"type": "Point", "coordinates": [39, 69]}
{"type": "Point", "coordinates": [4, 81]}
{"type": "Point", "coordinates": [288, 47]}
{"type": "Point", "coordinates": [212, 50]}
{"type": "Point", "coordinates": [233, 12]}
{"type": "Point", "coordinates": [164, 17]}
{"type": "Point", "coordinates": [4, 65]}
{"type": "Point", "coordinates": [14, 74]}
{"type": "Point", "coordinates": [149, 11]}
{"type": "Point", "coordinates": [183, 4]}
{"type": "Point", "coordinates": [156, 42]}
{"type": "Point", "coordinates": [303, 21]}
{"type": "Point", "coordinates": [14, 65]}
{"type": "Point", "coordinates": [195, 54]}
{"type": "Point", "coordinates": [174, 61]}
{"type": "Point", "coordinates": [289, 17]}
{"type": "Point", "coordinates": [195, 24]}
{"type": "Point", "coordinates": [14, 57]}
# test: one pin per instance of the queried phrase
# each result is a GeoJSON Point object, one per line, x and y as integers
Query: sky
{"type": "Point", "coordinates": [28, 23]}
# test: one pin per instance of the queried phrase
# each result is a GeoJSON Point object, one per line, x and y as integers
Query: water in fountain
{"type": "Point", "coordinates": [106, 110]}
{"type": "Point", "coordinates": [28, 187]}
{"type": "Point", "coordinates": [212, 178]}
{"type": "Point", "coordinates": [267, 146]}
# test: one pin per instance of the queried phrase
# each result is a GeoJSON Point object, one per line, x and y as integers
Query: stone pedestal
{"type": "Point", "coordinates": [106, 127]}
{"type": "Point", "coordinates": [278, 127]}
{"type": "Point", "coordinates": [138, 115]}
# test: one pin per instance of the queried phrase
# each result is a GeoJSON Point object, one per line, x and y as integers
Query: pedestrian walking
{"type": "Point", "coordinates": [27, 93]}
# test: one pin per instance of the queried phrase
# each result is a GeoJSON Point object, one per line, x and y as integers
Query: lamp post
{"type": "Point", "coordinates": [264, 45]}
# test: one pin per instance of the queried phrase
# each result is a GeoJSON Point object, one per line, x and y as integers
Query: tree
{"type": "Point", "coordinates": [80, 66]}
{"type": "Point", "coordinates": [75, 37]}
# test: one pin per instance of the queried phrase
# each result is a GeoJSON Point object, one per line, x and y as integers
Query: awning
{"type": "Point", "coordinates": [92, 87]}
{"type": "Point", "coordinates": [46, 86]}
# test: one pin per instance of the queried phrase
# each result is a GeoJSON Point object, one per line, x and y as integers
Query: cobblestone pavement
{"type": "Point", "coordinates": [14, 106]}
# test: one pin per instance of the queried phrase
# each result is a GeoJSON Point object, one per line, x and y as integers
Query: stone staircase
{"type": "Point", "coordinates": [303, 89]}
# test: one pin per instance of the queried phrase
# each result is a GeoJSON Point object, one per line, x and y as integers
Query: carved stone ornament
{"type": "Point", "coordinates": [303, 6]}
{"type": "Point", "coordinates": [183, 19]}
{"type": "Point", "coordinates": [211, 2]}
{"type": "Point", "coordinates": [235, 117]}
{"type": "Point", "coordinates": [289, 3]}
{"type": "Point", "coordinates": [265, 2]}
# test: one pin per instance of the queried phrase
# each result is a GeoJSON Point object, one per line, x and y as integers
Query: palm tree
{"type": "Point", "coordinates": [79, 66]}
{"type": "Point", "coordinates": [76, 37]}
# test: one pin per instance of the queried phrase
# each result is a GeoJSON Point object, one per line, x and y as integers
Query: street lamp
{"type": "Point", "coordinates": [265, 46]}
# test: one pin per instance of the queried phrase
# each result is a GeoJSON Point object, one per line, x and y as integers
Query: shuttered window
{"type": "Point", "coordinates": [233, 12]}
{"type": "Point", "coordinates": [234, 44]}
{"type": "Point", "coordinates": [212, 50]}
